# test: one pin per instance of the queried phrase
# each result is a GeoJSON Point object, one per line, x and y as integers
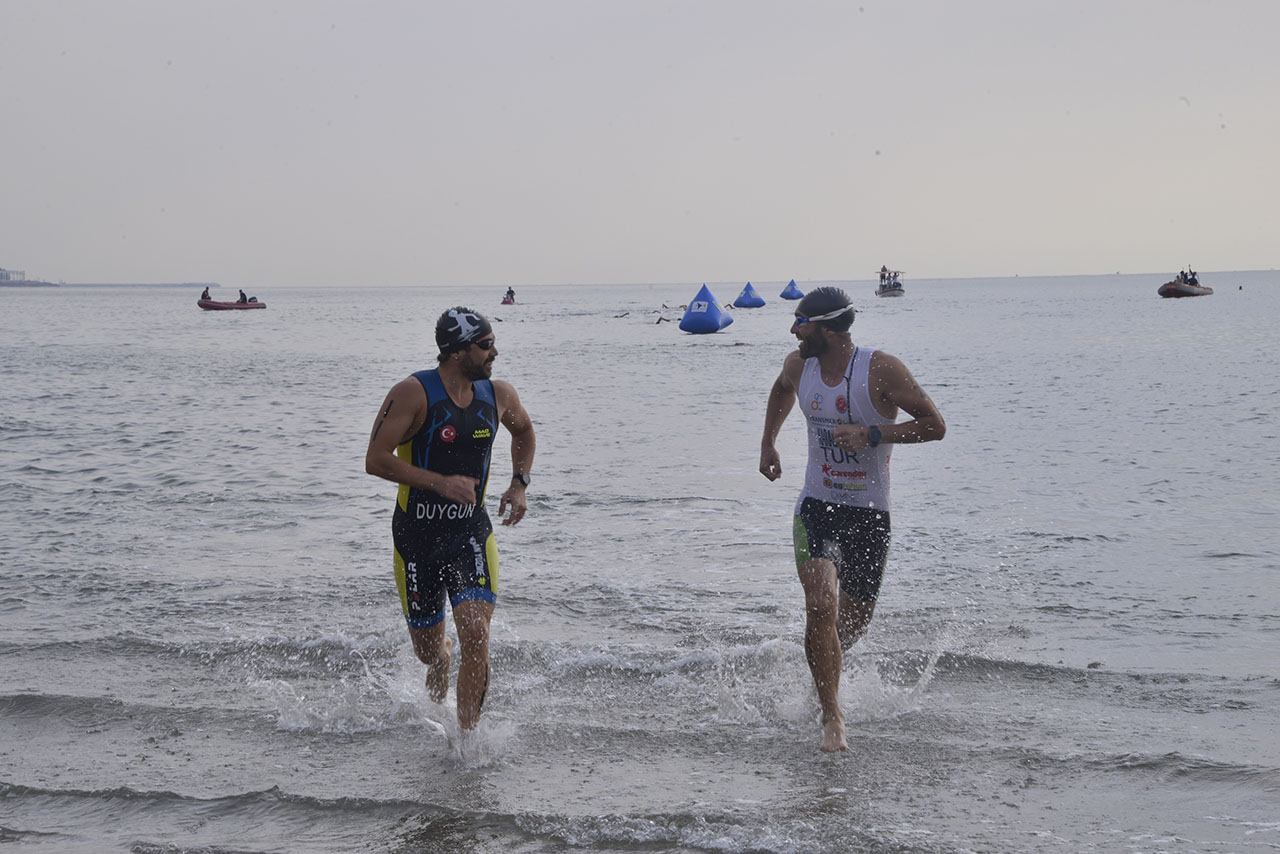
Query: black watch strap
{"type": "Point", "coordinates": [522, 477]}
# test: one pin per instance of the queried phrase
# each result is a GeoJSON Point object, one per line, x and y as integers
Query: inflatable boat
{"type": "Point", "coordinates": [215, 305]}
{"type": "Point", "coordinates": [1183, 289]}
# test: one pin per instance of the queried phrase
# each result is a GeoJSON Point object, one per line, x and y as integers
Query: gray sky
{"type": "Point", "coordinates": [388, 142]}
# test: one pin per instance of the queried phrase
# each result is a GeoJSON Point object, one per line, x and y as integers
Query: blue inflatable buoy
{"type": "Point", "coordinates": [704, 314]}
{"type": "Point", "coordinates": [749, 298]}
{"type": "Point", "coordinates": [791, 291]}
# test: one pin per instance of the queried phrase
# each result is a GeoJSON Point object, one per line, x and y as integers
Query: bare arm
{"type": "Point", "coordinates": [402, 413]}
{"type": "Point", "coordinates": [902, 391]}
{"type": "Point", "coordinates": [514, 417]}
{"type": "Point", "coordinates": [892, 388]}
{"type": "Point", "coordinates": [782, 397]}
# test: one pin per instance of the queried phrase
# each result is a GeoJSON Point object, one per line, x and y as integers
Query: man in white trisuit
{"type": "Point", "coordinates": [850, 397]}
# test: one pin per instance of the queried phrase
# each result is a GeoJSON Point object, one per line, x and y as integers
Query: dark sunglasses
{"type": "Point", "coordinates": [486, 344]}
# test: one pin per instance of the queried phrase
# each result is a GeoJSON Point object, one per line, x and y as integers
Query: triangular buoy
{"type": "Point", "coordinates": [749, 298]}
{"type": "Point", "coordinates": [704, 314]}
{"type": "Point", "coordinates": [791, 291]}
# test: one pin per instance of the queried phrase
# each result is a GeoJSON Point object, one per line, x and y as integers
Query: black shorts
{"type": "Point", "coordinates": [855, 539]}
{"type": "Point", "coordinates": [436, 561]}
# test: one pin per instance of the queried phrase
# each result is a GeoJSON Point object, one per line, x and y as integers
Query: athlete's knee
{"type": "Point", "coordinates": [855, 619]}
{"type": "Point", "coordinates": [850, 633]}
{"type": "Point", "coordinates": [820, 590]}
{"type": "Point", "coordinates": [473, 629]}
{"type": "Point", "coordinates": [429, 645]}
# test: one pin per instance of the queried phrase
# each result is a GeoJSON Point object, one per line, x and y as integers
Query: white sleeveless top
{"type": "Point", "coordinates": [834, 475]}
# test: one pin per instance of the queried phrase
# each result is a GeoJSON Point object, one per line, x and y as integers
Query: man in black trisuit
{"type": "Point", "coordinates": [433, 436]}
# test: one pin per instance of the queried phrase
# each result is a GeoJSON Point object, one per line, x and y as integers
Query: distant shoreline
{"type": "Point", "coordinates": [31, 283]}
{"type": "Point", "coordinates": [141, 285]}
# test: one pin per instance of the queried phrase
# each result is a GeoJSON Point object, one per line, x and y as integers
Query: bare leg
{"type": "Point", "coordinates": [434, 649]}
{"type": "Point", "coordinates": [822, 647]}
{"type": "Point", "coordinates": [472, 619]}
{"type": "Point", "coordinates": [855, 616]}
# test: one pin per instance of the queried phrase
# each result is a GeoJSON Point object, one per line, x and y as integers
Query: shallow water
{"type": "Point", "coordinates": [1075, 648]}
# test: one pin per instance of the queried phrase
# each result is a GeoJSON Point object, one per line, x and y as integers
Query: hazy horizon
{"type": "Point", "coordinates": [1206, 276]}
{"type": "Point", "coordinates": [393, 142]}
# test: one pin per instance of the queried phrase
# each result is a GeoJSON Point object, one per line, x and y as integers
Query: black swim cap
{"type": "Point", "coordinates": [458, 327]}
{"type": "Point", "coordinates": [828, 300]}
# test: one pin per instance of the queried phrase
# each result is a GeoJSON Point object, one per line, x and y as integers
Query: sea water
{"type": "Point", "coordinates": [1076, 646]}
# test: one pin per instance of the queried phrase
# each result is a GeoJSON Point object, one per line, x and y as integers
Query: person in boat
{"type": "Point", "coordinates": [1192, 278]}
{"type": "Point", "coordinates": [447, 418]}
{"type": "Point", "coordinates": [243, 298]}
{"type": "Point", "coordinates": [850, 397]}
{"type": "Point", "coordinates": [884, 274]}
{"type": "Point", "coordinates": [204, 294]}
{"type": "Point", "coordinates": [511, 294]}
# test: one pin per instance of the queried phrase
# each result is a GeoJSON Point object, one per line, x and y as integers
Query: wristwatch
{"type": "Point", "coordinates": [874, 436]}
{"type": "Point", "coordinates": [522, 477]}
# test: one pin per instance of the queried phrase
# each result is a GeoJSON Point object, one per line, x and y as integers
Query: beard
{"type": "Point", "coordinates": [813, 347]}
{"type": "Point", "coordinates": [479, 371]}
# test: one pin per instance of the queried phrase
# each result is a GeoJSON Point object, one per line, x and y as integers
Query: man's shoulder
{"type": "Point", "coordinates": [881, 360]}
{"type": "Point", "coordinates": [410, 386]}
{"type": "Point", "coordinates": [792, 369]}
{"type": "Point", "coordinates": [504, 392]}
{"type": "Point", "coordinates": [888, 372]}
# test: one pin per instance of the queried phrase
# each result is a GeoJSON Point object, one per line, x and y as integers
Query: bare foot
{"type": "Point", "coordinates": [833, 737]}
{"type": "Point", "coordinates": [438, 672]}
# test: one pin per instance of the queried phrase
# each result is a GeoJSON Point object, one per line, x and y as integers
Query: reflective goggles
{"type": "Point", "coordinates": [830, 315]}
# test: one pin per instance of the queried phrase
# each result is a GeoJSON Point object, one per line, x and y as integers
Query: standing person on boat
{"type": "Point", "coordinates": [850, 396]}
{"type": "Point", "coordinates": [511, 293]}
{"type": "Point", "coordinates": [433, 436]}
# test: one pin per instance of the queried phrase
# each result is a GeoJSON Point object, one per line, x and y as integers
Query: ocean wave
{"type": "Point", "coordinates": [259, 802]}
{"type": "Point", "coordinates": [13, 834]}
{"type": "Point", "coordinates": [95, 713]}
{"type": "Point", "coordinates": [1173, 767]}
{"type": "Point", "coordinates": [733, 832]}
{"type": "Point", "coordinates": [419, 825]}
{"type": "Point", "coordinates": [972, 665]}
{"type": "Point", "coordinates": [332, 652]}
{"type": "Point", "coordinates": [174, 848]}
{"type": "Point", "coordinates": [628, 503]}
{"type": "Point", "coordinates": [753, 661]}
{"type": "Point", "coordinates": [422, 826]}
